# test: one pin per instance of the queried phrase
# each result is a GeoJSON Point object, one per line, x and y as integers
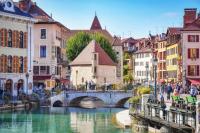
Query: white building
{"type": "Point", "coordinates": [16, 47]}
{"type": "Point", "coordinates": [143, 65]}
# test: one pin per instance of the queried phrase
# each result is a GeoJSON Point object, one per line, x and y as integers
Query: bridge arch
{"type": "Point", "coordinates": [58, 103]}
{"type": "Point", "coordinates": [76, 101]}
{"type": "Point", "coordinates": [122, 102]}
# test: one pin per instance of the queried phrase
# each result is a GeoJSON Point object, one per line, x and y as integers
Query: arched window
{"type": "Point", "coordinates": [9, 64]}
{"type": "Point", "coordinates": [21, 43]}
{"type": "Point", "coordinates": [21, 62]}
{"type": "Point", "coordinates": [9, 38]}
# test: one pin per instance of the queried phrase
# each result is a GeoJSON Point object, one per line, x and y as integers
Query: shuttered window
{"type": "Point", "coordinates": [1, 63]}
{"type": "Point", "coordinates": [21, 64]}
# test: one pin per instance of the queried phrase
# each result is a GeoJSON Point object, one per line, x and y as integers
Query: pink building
{"type": "Point", "coordinates": [191, 46]}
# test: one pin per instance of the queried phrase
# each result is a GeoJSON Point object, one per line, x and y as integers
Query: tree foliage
{"type": "Point", "coordinates": [78, 42]}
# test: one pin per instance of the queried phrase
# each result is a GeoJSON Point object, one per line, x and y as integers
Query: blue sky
{"type": "Point", "coordinates": [121, 17]}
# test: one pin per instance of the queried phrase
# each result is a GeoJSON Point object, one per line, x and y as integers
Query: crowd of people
{"type": "Point", "coordinates": [177, 89]}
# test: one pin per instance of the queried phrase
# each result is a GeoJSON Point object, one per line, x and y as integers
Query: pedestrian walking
{"type": "Point", "coordinates": [169, 91]}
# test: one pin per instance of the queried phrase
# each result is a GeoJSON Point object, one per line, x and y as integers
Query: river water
{"type": "Point", "coordinates": [61, 120]}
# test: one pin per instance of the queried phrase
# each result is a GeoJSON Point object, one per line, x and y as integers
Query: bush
{"type": "Point", "coordinates": [143, 90]}
{"type": "Point", "coordinates": [134, 100]}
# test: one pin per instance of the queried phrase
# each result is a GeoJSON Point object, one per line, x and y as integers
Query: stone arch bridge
{"type": "Point", "coordinates": [110, 98]}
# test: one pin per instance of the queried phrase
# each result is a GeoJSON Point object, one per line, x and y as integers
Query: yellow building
{"type": "Point", "coordinates": [173, 49]}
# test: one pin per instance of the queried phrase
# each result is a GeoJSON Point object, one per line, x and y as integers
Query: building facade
{"type": "Point", "coordinates": [161, 56]}
{"type": "Point", "coordinates": [191, 46]}
{"type": "Point", "coordinates": [93, 65]}
{"type": "Point", "coordinates": [174, 53]}
{"type": "Point", "coordinates": [50, 62]}
{"type": "Point", "coordinates": [16, 48]}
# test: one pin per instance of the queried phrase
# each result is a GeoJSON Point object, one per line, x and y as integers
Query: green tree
{"type": "Point", "coordinates": [78, 42]}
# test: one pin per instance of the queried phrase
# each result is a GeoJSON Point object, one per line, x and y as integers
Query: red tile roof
{"type": "Point", "coordinates": [174, 30]}
{"type": "Point", "coordinates": [195, 25]}
{"type": "Point", "coordinates": [85, 57]}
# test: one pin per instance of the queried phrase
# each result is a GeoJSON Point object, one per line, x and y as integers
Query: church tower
{"type": "Point", "coordinates": [96, 24]}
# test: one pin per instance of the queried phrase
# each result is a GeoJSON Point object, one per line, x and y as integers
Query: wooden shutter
{"type": "Point", "coordinates": [5, 37]}
{"type": "Point", "coordinates": [188, 70]}
{"type": "Point", "coordinates": [198, 70]}
{"type": "Point", "coordinates": [197, 53]}
{"type": "Point", "coordinates": [5, 66]}
{"type": "Point", "coordinates": [13, 64]}
{"type": "Point", "coordinates": [1, 64]}
{"type": "Point", "coordinates": [17, 39]}
{"type": "Point", "coordinates": [17, 64]}
{"type": "Point", "coordinates": [188, 53]}
{"type": "Point", "coordinates": [14, 39]}
{"type": "Point", "coordinates": [197, 38]}
{"type": "Point", "coordinates": [1, 37]}
{"type": "Point", "coordinates": [25, 40]}
{"type": "Point", "coordinates": [25, 65]}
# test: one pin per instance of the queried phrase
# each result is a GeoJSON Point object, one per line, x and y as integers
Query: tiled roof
{"type": "Point", "coordinates": [17, 11]}
{"type": "Point", "coordinates": [34, 10]}
{"type": "Point", "coordinates": [52, 22]}
{"type": "Point", "coordinates": [116, 41]}
{"type": "Point", "coordinates": [96, 24]}
{"type": "Point", "coordinates": [174, 30]}
{"type": "Point", "coordinates": [85, 57]}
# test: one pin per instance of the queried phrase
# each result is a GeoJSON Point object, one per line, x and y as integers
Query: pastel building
{"type": "Point", "coordinates": [93, 65]}
{"type": "Point", "coordinates": [16, 48]}
{"type": "Point", "coordinates": [50, 62]}
{"type": "Point", "coordinates": [143, 62]}
{"type": "Point", "coordinates": [161, 56]}
{"type": "Point", "coordinates": [191, 46]}
{"type": "Point", "coordinates": [173, 48]}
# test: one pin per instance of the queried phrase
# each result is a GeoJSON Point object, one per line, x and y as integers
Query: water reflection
{"type": "Point", "coordinates": [60, 120]}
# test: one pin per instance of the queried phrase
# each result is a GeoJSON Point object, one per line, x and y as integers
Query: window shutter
{"type": "Point", "coordinates": [5, 38]}
{"type": "Point", "coordinates": [188, 38]}
{"type": "Point", "coordinates": [197, 52]}
{"type": "Point", "coordinates": [1, 64]}
{"type": "Point", "coordinates": [188, 53]}
{"type": "Point", "coordinates": [25, 40]}
{"type": "Point", "coordinates": [14, 39]}
{"type": "Point", "coordinates": [17, 39]}
{"type": "Point", "coordinates": [198, 70]}
{"type": "Point", "coordinates": [188, 70]}
{"type": "Point", "coordinates": [1, 37]}
{"type": "Point", "coordinates": [197, 38]}
{"type": "Point", "coordinates": [17, 64]}
{"type": "Point", "coordinates": [5, 64]}
{"type": "Point", "coordinates": [25, 64]}
{"type": "Point", "coordinates": [13, 64]}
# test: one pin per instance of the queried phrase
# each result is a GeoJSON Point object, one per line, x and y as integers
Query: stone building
{"type": "Point", "coordinates": [93, 65]}
{"type": "Point", "coordinates": [16, 47]}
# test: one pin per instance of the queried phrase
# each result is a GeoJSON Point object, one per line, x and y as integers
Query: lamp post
{"type": "Point", "coordinates": [155, 63]}
{"type": "Point", "coordinates": [27, 76]}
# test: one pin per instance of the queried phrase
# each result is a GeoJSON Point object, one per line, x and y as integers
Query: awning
{"type": "Point", "coordinates": [195, 81]}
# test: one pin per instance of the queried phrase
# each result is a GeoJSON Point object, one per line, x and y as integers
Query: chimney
{"type": "Point", "coordinates": [24, 5]}
{"type": "Point", "coordinates": [189, 16]}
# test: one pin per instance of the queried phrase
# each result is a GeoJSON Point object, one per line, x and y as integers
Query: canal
{"type": "Point", "coordinates": [61, 120]}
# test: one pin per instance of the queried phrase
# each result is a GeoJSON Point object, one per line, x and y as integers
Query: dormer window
{"type": "Point", "coordinates": [9, 6]}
